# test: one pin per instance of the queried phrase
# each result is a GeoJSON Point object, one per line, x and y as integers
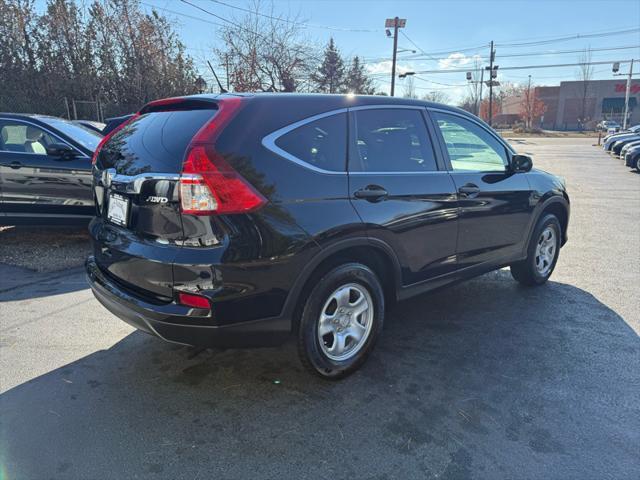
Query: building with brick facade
{"type": "Point", "coordinates": [571, 106]}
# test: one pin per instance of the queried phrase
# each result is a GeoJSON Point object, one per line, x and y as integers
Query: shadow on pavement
{"type": "Point", "coordinates": [483, 380]}
{"type": "Point", "coordinates": [21, 284]}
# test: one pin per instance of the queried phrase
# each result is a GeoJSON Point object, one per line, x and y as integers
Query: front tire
{"type": "Point", "coordinates": [341, 321]}
{"type": "Point", "coordinates": [542, 253]}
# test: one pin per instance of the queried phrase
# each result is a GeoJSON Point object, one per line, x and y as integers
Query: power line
{"type": "Point", "coordinates": [180, 14]}
{"type": "Point", "coordinates": [303, 24]}
{"type": "Point", "coordinates": [510, 55]}
{"type": "Point", "coordinates": [526, 67]}
{"type": "Point", "coordinates": [415, 45]}
{"type": "Point", "coordinates": [438, 83]}
{"type": "Point", "coordinates": [222, 18]}
{"type": "Point", "coordinates": [576, 36]}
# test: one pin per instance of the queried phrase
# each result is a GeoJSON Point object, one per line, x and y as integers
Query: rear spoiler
{"type": "Point", "coordinates": [179, 103]}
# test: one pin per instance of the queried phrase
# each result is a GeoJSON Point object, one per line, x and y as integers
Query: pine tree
{"type": "Point", "coordinates": [357, 80]}
{"type": "Point", "coordinates": [329, 77]}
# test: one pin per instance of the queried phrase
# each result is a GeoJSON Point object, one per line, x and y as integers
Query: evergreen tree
{"type": "Point", "coordinates": [357, 80]}
{"type": "Point", "coordinates": [329, 77]}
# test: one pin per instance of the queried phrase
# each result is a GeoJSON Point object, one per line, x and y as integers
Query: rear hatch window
{"type": "Point", "coordinates": [154, 142]}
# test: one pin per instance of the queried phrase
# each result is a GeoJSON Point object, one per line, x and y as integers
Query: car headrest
{"type": "Point", "coordinates": [33, 134]}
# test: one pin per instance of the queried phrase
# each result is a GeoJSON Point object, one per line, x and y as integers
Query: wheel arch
{"type": "Point", "coordinates": [561, 211]}
{"type": "Point", "coordinates": [373, 253]}
{"type": "Point", "coordinates": [557, 205]}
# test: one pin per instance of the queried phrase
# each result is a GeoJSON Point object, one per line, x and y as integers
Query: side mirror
{"type": "Point", "coordinates": [61, 150]}
{"type": "Point", "coordinates": [521, 163]}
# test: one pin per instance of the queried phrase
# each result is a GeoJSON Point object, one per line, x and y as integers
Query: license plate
{"type": "Point", "coordinates": [118, 209]}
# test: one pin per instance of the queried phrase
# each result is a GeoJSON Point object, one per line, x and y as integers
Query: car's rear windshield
{"type": "Point", "coordinates": [154, 142]}
{"type": "Point", "coordinates": [84, 136]}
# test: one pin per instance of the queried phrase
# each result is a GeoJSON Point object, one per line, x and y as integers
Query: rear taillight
{"type": "Point", "coordinates": [208, 184]}
{"type": "Point", "coordinates": [107, 137]}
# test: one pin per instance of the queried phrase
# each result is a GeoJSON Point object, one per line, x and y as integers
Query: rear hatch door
{"type": "Point", "coordinates": [136, 182]}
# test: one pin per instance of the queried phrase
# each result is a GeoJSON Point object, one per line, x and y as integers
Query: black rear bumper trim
{"type": "Point", "coordinates": [171, 322]}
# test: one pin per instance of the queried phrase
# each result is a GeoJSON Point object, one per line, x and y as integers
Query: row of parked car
{"type": "Point", "coordinates": [45, 168]}
{"type": "Point", "coordinates": [625, 145]}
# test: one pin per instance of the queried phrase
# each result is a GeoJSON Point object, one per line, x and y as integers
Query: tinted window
{"type": "Point", "coordinates": [154, 142]}
{"type": "Point", "coordinates": [84, 136]}
{"type": "Point", "coordinates": [23, 138]}
{"type": "Point", "coordinates": [388, 140]}
{"type": "Point", "coordinates": [321, 143]}
{"type": "Point", "coordinates": [470, 146]}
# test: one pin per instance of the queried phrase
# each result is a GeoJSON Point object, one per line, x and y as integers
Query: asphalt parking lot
{"type": "Point", "coordinates": [483, 380]}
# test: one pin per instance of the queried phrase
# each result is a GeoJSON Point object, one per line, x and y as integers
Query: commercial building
{"type": "Point", "coordinates": [576, 105]}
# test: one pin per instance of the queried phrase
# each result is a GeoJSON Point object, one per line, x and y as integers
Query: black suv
{"type": "Point", "coordinates": [237, 220]}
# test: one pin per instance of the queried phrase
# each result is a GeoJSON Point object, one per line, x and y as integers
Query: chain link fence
{"type": "Point", "coordinates": [70, 108]}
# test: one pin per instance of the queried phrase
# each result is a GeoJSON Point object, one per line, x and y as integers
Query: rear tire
{"type": "Point", "coordinates": [341, 321]}
{"type": "Point", "coordinates": [542, 253]}
{"type": "Point", "coordinates": [637, 164]}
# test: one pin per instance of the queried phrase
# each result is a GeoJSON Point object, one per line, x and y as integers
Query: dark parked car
{"type": "Point", "coordinates": [45, 170]}
{"type": "Point", "coordinates": [618, 145]}
{"type": "Point", "coordinates": [113, 123]}
{"type": "Point", "coordinates": [236, 220]}
{"type": "Point", "coordinates": [97, 127]}
{"type": "Point", "coordinates": [628, 147]}
{"type": "Point", "coordinates": [632, 157]}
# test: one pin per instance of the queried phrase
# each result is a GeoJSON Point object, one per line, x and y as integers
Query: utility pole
{"type": "Point", "coordinates": [396, 23]}
{"type": "Point", "coordinates": [616, 68]}
{"type": "Point", "coordinates": [226, 68]}
{"type": "Point", "coordinates": [491, 58]}
{"type": "Point", "coordinates": [529, 105]}
{"type": "Point", "coordinates": [626, 97]}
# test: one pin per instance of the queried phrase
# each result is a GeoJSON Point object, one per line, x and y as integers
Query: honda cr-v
{"type": "Point", "coordinates": [238, 220]}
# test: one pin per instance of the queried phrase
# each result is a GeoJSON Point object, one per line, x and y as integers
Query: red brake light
{"type": "Point", "coordinates": [107, 137]}
{"type": "Point", "coordinates": [195, 301]}
{"type": "Point", "coordinates": [208, 184]}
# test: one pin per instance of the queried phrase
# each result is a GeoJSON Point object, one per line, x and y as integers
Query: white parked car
{"type": "Point", "coordinates": [609, 126]}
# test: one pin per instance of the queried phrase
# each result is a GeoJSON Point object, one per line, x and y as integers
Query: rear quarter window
{"type": "Point", "coordinates": [320, 143]}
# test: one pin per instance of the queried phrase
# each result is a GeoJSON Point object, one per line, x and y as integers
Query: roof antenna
{"type": "Point", "coordinates": [222, 89]}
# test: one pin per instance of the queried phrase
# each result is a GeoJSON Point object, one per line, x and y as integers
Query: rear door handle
{"type": "Point", "coordinates": [372, 193]}
{"type": "Point", "coordinates": [469, 190]}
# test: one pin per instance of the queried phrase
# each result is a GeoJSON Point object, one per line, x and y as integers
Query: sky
{"type": "Point", "coordinates": [460, 29]}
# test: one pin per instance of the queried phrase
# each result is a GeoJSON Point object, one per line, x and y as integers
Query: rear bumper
{"type": "Point", "coordinates": [179, 324]}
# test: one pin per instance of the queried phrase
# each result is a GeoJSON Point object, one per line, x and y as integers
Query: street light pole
{"type": "Point", "coordinates": [396, 23]}
{"type": "Point", "coordinates": [626, 97]}
{"type": "Point", "coordinates": [395, 53]}
{"type": "Point", "coordinates": [491, 57]}
{"type": "Point", "coordinates": [480, 95]}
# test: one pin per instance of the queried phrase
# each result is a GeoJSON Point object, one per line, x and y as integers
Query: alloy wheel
{"type": "Point", "coordinates": [546, 250]}
{"type": "Point", "coordinates": [345, 322]}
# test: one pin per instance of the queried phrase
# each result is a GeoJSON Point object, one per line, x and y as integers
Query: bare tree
{"type": "Point", "coordinates": [266, 53]}
{"type": "Point", "coordinates": [474, 91]}
{"type": "Point", "coordinates": [584, 75]}
{"type": "Point", "coordinates": [111, 49]}
{"type": "Point", "coordinates": [409, 90]}
{"type": "Point", "coordinates": [531, 107]}
{"type": "Point", "coordinates": [437, 96]}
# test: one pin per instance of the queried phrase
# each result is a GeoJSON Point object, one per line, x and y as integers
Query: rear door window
{"type": "Point", "coordinates": [320, 143]}
{"type": "Point", "coordinates": [391, 140]}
